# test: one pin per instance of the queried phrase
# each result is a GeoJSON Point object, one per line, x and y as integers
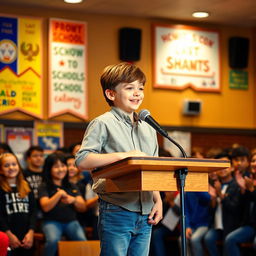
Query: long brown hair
{"type": "Point", "coordinates": [22, 185]}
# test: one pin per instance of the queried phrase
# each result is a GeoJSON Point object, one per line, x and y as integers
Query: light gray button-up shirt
{"type": "Point", "coordinates": [114, 132]}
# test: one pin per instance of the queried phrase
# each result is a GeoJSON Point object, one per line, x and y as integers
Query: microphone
{"type": "Point", "coordinates": [144, 115]}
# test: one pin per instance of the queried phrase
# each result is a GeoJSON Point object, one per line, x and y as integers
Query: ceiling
{"type": "Point", "coordinates": [224, 12]}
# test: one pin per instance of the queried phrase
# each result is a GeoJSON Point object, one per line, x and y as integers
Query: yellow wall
{"type": "Point", "coordinates": [228, 109]}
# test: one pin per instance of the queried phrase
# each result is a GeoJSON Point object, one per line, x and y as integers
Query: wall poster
{"type": "Point", "coordinates": [185, 56]}
{"type": "Point", "coordinates": [19, 139]}
{"type": "Point", "coordinates": [48, 135]}
{"type": "Point", "coordinates": [21, 65]}
{"type": "Point", "coordinates": [68, 68]}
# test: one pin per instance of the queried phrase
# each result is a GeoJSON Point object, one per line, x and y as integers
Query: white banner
{"type": "Point", "coordinates": [68, 70]}
{"type": "Point", "coordinates": [186, 56]}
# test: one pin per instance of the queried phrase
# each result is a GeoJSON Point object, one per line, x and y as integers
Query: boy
{"type": "Point", "coordinates": [34, 158]}
{"type": "Point", "coordinates": [125, 219]}
{"type": "Point", "coordinates": [227, 204]}
{"type": "Point", "coordinates": [240, 160]}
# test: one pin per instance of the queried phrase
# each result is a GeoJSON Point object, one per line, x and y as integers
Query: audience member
{"type": "Point", "coordinates": [34, 158]}
{"type": "Point", "coordinates": [240, 160]}
{"type": "Point", "coordinates": [73, 148]}
{"type": "Point", "coordinates": [17, 208]}
{"type": "Point", "coordinates": [197, 211]}
{"type": "Point", "coordinates": [226, 201]}
{"type": "Point", "coordinates": [88, 218]}
{"type": "Point", "coordinates": [247, 231]}
{"type": "Point", "coordinates": [167, 227]}
{"type": "Point", "coordinates": [59, 200]}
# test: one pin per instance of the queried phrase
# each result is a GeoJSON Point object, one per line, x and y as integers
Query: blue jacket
{"type": "Point", "coordinates": [197, 209]}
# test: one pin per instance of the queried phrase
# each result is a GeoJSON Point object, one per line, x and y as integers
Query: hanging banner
{"type": "Point", "coordinates": [186, 56]}
{"type": "Point", "coordinates": [68, 68]}
{"type": "Point", "coordinates": [48, 135]}
{"type": "Point", "coordinates": [21, 65]}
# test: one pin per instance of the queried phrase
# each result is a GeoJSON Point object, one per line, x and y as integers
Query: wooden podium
{"type": "Point", "coordinates": [157, 173]}
{"type": "Point", "coordinates": [160, 174]}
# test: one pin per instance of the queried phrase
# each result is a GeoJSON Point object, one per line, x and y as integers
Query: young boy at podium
{"type": "Point", "coordinates": [125, 218]}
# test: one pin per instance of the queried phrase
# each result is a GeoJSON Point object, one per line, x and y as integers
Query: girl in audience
{"type": "Point", "coordinates": [59, 200]}
{"type": "Point", "coordinates": [89, 218]}
{"type": "Point", "coordinates": [17, 208]}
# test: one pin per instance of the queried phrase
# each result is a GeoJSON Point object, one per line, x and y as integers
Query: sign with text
{"type": "Point", "coordinates": [238, 79]}
{"type": "Point", "coordinates": [68, 70]}
{"type": "Point", "coordinates": [21, 65]}
{"type": "Point", "coordinates": [48, 135]}
{"type": "Point", "coordinates": [186, 56]}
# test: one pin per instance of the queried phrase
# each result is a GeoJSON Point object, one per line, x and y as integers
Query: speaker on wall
{"type": "Point", "coordinates": [238, 52]}
{"type": "Point", "coordinates": [192, 107]}
{"type": "Point", "coordinates": [129, 44]}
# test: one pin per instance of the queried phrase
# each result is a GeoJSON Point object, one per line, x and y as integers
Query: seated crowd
{"type": "Point", "coordinates": [50, 195]}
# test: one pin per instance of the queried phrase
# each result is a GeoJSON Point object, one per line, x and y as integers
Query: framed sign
{"type": "Point", "coordinates": [186, 56]}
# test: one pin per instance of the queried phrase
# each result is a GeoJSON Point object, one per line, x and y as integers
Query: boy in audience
{"type": "Point", "coordinates": [226, 201]}
{"type": "Point", "coordinates": [240, 160]}
{"type": "Point", "coordinates": [34, 158]}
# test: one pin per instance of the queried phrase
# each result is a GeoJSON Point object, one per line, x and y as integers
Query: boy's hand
{"type": "Point", "coordinates": [156, 213]}
{"type": "Point", "coordinates": [135, 153]}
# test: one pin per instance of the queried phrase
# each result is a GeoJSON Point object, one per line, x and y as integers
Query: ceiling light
{"type": "Point", "coordinates": [200, 14]}
{"type": "Point", "coordinates": [73, 1]}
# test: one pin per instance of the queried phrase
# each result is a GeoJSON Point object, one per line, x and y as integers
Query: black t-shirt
{"type": "Point", "coordinates": [61, 212]}
{"type": "Point", "coordinates": [34, 180]}
{"type": "Point", "coordinates": [17, 214]}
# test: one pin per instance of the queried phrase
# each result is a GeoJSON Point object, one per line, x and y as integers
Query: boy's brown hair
{"type": "Point", "coordinates": [121, 73]}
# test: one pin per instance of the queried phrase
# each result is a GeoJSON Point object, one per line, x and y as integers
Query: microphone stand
{"type": "Point", "coordinates": [180, 175]}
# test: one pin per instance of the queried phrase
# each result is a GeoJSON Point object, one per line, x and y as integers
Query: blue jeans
{"type": "Point", "coordinates": [210, 241]}
{"type": "Point", "coordinates": [240, 235]}
{"type": "Point", "coordinates": [196, 241]}
{"type": "Point", "coordinates": [123, 232]}
{"type": "Point", "coordinates": [53, 230]}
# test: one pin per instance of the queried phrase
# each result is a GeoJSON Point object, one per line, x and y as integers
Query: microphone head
{"type": "Point", "coordinates": [143, 114]}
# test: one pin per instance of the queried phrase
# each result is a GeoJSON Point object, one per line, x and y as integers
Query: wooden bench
{"type": "Point", "coordinates": [79, 248]}
{"type": "Point", "coordinates": [39, 240]}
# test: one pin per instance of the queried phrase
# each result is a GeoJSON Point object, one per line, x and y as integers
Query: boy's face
{"type": "Point", "coordinates": [127, 96]}
{"type": "Point", "coordinates": [224, 173]}
{"type": "Point", "coordinates": [240, 163]}
{"type": "Point", "coordinates": [36, 159]}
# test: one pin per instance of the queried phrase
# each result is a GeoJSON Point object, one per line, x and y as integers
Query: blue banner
{"type": "Point", "coordinates": [8, 43]}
